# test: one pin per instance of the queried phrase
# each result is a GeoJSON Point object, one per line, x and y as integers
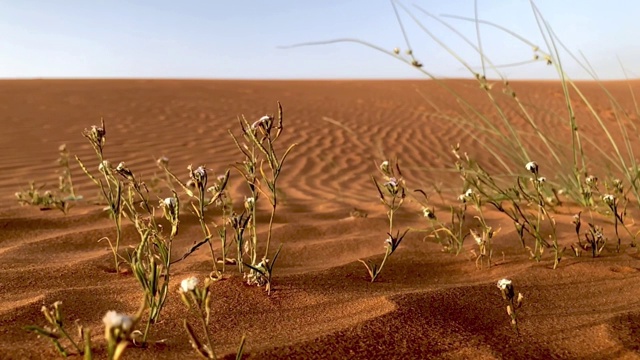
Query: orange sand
{"type": "Point", "coordinates": [426, 303]}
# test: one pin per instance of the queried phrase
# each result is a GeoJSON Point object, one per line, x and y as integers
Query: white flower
{"type": "Point", "coordinates": [199, 176]}
{"type": "Point", "coordinates": [542, 179]}
{"type": "Point", "coordinates": [393, 182]}
{"type": "Point", "coordinates": [120, 166]}
{"type": "Point", "coordinates": [261, 121]}
{"type": "Point", "coordinates": [163, 161]}
{"type": "Point", "coordinates": [609, 199]}
{"type": "Point", "coordinates": [104, 166]}
{"type": "Point", "coordinates": [462, 198]}
{"type": "Point", "coordinates": [250, 203]}
{"type": "Point", "coordinates": [504, 284]}
{"type": "Point", "coordinates": [189, 284]}
{"type": "Point", "coordinates": [389, 241]}
{"type": "Point", "coordinates": [170, 202]}
{"type": "Point", "coordinates": [468, 193]}
{"type": "Point", "coordinates": [384, 167]}
{"type": "Point", "coordinates": [591, 180]}
{"type": "Point", "coordinates": [532, 166]}
{"type": "Point", "coordinates": [113, 319]}
{"type": "Point", "coordinates": [428, 213]}
{"type": "Point", "coordinates": [200, 172]}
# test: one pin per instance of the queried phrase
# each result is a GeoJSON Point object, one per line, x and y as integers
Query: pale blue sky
{"type": "Point", "coordinates": [240, 38]}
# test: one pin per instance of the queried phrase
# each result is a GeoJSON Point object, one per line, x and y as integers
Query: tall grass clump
{"type": "Point", "coordinates": [529, 202]}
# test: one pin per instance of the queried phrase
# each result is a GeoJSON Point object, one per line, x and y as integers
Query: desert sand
{"type": "Point", "coordinates": [425, 304]}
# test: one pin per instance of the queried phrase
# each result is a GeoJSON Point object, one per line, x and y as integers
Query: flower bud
{"type": "Point", "coordinates": [104, 167]}
{"type": "Point", "coordinates": [249, 204]}
{"type": "Point", "coordinates": [532, 167]}
{"type": "Point", "coordinates": [428, 213]}
{"type": "Point", "coordinates": [124, 171]}
{"type": "Point", "coordinates": [189, 284]}
{"type": "Point", "coordinates": [163, 162]}
{"type": "Point", "coordinates": [384, 167]}
{"type": "Point", "coordinates": [609, 199]}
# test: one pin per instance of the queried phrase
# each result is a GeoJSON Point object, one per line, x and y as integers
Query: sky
{"type": "Point", "coordinates": [244, 39]}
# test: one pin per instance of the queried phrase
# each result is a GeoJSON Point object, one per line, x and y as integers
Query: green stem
{"type": "Point", "coordinates": [273, 212]}
{"type": "Point", "coordinates": [118, 234]}
{"type": "Point", "coordinates": [146, 329]}
{"type": "Point", "coordinates": [206, 334]}
{"type": "Point", "coordinates": [386, 255]}
{"type": "Point", "coordinates": [62, 330]}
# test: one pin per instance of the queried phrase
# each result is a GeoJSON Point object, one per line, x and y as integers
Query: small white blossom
{"type": "Point", "coordinates": [504, 284]}
{"type": "Point", "coordinates": [392, 181]}
{"type": "Point", "coordinates": [189, 284]}
{"type": "Point", "coordinates": [250, 203]}
{"type": "Point", "coordinates": [609, 199]}
{"type": "Point", "coordinates": [170, 202]}
{"type": "Point", "coordinates": [384, 167]}
{"type": "Point", "coordinates": [104, 166]}
{"type": "Point", "coordinates": [428, 213]}
{"type": "Point", "coordinates": [468, 193]}
{"type": "Point", "coordinates": [532, 166]}
{"type": "Point", "coordinates": [163, 161]}
{"type": "Point", "coordinates": [200, 172]}
{"type": "Point", "coordinates": [115, 320]}
{"type": "Point", "coordinates": [542, 179]}
{"type": "Point", "coordinates": [389, 241]}
{"type": "Point", "coordinates": [120, 166]}
{"type": "Point", "coordinates": [591, 180]}
{"type": "Point", "coordinates": [261, 121]}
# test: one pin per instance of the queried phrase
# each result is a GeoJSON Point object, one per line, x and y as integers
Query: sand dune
{"type": "Point", "coordinates": [426, 303]}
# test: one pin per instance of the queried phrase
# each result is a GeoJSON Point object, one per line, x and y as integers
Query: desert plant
{"type": "Point", "coordinates": [256, 143]}
{"type": "Point", "coordinates": [65, 181]}
{"type": "Point", "coordinates": [618, 212]}
{"type": "Point", "coordinates": [198, 301]}
{"type": "Point", "coordinates": [151, 259]}
{"type": "Point", "coordinates": [392, 194]}
{"type": "Point", "coordinates": [595, 240]}
{"type": "Point", "coordinates": [118, 330]}
{"type": "Point", "coordinates": [513, 302]}
{"type": "Point", "coordinates": [44, 200]}
{"type": "Point", "coordinates": [56, 332]}
{"type": "Point", "coordinates": [60, 199]}
{"type": "Point", "coordinates": [200, 202]}
{"type": "Point", "coordinates": [450, 236]}
{"type": "Point", "coordinates": [110, 186]}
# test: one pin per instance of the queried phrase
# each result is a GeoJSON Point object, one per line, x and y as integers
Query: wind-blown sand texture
{"type": "Point", "coordinates": [425, 304]}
